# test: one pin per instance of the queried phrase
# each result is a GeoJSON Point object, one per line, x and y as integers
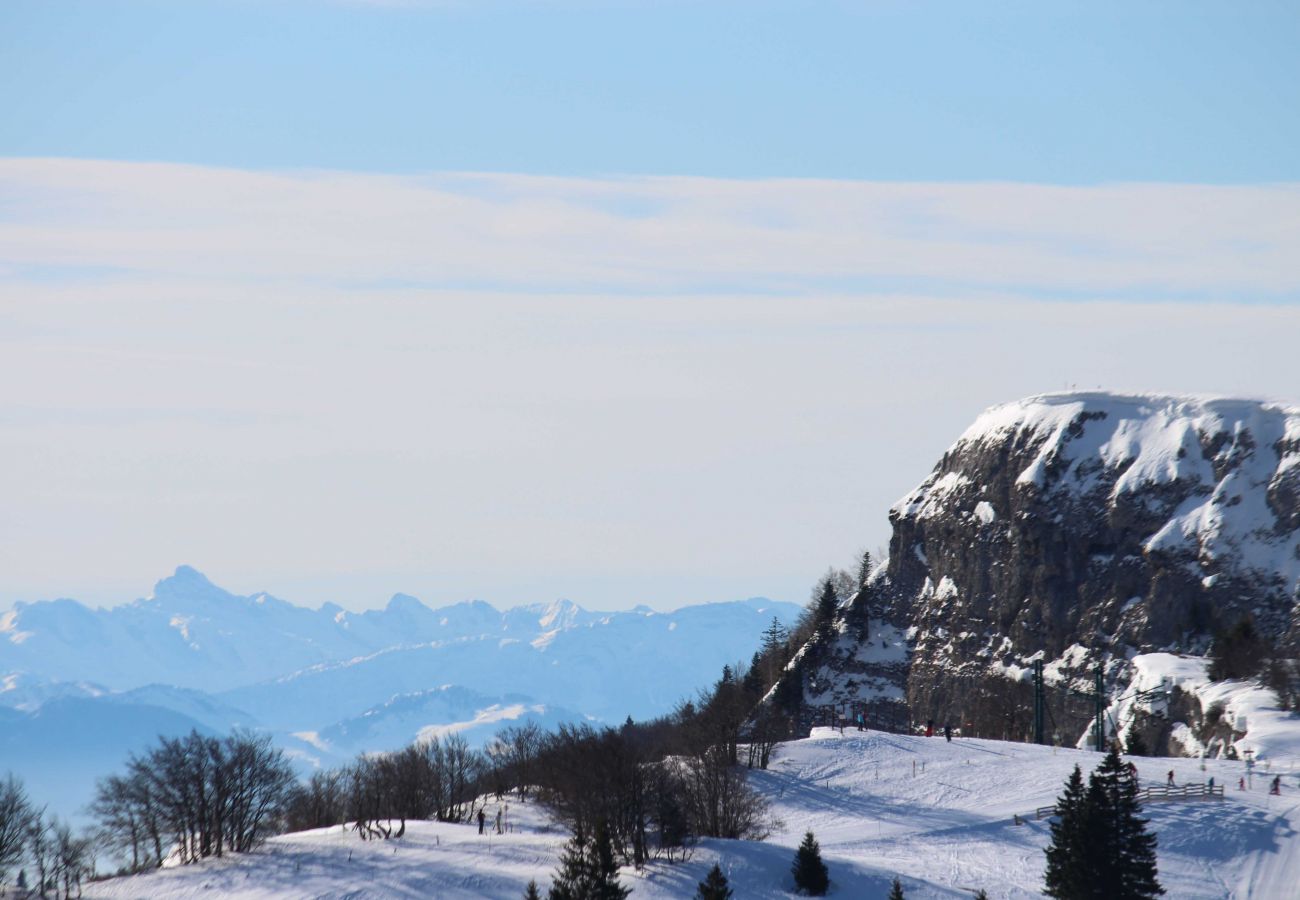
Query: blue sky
{"type": "Point", "coordinates": [1050, 92]}
{"type": "Point", "coordinates": [629, 302]}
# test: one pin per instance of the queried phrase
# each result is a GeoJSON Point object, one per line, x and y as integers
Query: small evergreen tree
{"type": "Point", "coordinates": [810, 874]}
{"type": "Point", "coordinates": [531, 892]}
{"type": "Point", "coordinates": [1135, 746]}
{"type": "Point", "coordinates": [574, 879]}
{"type": "Point", "coordinates": [982, 895]}
{"type": "Point", "coordinates": [1067, 875]}
{"type": "Point", "coordinates": [827, 605]}
{"type": "Point", "coordinates": [606, 885]}
{"type": "Point", "coordinates": [896, 892]}
{"type": "Point", "coordinates": [714, 886]}
{"type": "Point", "coordinates": [865, 565]}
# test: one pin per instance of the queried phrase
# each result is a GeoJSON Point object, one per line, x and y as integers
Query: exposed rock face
{"type": "Point", "coordinates": [1082, 528]}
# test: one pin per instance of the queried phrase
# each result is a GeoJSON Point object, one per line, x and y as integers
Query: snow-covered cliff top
{"type": "Point", "coordinates": [1235, 463]}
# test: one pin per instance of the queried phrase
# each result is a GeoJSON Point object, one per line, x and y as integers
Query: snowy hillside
{"type": "Point", "coordinates": [946, 830]}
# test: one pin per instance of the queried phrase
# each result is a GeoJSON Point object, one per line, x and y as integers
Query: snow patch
{"type": "Point", "coordinates": [493, 713]}
{"type": "Point", "coordinates": [9, 626]}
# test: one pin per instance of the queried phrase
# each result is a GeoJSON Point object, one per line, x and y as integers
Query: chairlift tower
{"type": "Point", "coordinates": [1040, 704]}
{"type": "Point", "coordinates": [1098, 697]}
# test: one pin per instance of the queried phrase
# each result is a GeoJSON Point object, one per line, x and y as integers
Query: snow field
{"type": "Point", "coordinates": [947, 831]}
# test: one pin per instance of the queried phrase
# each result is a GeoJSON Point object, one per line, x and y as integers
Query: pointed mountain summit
{"type": "Point", "coordinates": [188, 588]}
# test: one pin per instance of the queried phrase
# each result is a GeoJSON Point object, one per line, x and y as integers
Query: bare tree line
{"type": "Point", "coordinates": [194, 797]}
{"type": "Point", "coordinates": [654, 787]}
{"type": "Point", "coordinates": [430, 779]}
{"type": "Point", "coordinates": [60, 859]}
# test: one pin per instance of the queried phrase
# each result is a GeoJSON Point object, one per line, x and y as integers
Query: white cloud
{"type": "Point", "coordinates": [648, 233]}
{"type": "Point", "coordinates": [338, 386]}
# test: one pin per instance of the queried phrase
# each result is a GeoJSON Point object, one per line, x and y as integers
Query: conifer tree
{"type": "Point", "coordinates": [827, 605]}
{"type": "Point", "coordinates": [587, 869]}
{"type": "Point", "coordinates": [1129, 868]}
{"type": "Point", "coordinates": [810, 874]}
{"type": "Point", "coordinates": [896, 892]}
{"type": "Point", "coordinates": [1100, 846]}
{"type": "Point", "coordinates": [531, 892]}
{"type": "Point", "coordinates": [1135, 745]}
{"type": "Point", "coordinates": [864, 567]}
{"type": "Point", "coordinates": [982, 895]}
{"type": "Point", "coordinates": [1067, 863]}
{"type": "Point", "coordinates": [604, 869]}
{"type": "Point", "coordinates": [714, 886]}
{"type": "Point", "coordinates": [573, 879]}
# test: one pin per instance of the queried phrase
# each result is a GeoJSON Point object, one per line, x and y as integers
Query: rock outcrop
{"type": "Point", "coordinates": [1079, 529]}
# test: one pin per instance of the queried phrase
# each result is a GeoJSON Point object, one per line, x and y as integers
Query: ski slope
{"type": "Point", "coordinates": [946, 830]}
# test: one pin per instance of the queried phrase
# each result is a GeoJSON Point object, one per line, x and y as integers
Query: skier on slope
{"type": "Point", "coordinates": [1276, 787]}
{"type": "Point", "coordinates": [481, 819]}
{"type": "Point", "coordinates": [1171, 778]}
{"type": "Point", "coordinates": [947, 732]}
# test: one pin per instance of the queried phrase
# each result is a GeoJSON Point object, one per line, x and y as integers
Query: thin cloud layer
{"type": "Point", "coordinates": [649, 234]}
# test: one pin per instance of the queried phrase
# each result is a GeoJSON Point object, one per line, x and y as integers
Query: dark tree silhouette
{"type": "Point", "coordinates": [15, 814]}
{"type": "Point", "coordinates": [810, 874]}
{"type": "Point", "coordinates": [1067, 854]}
{"type": "Point", "coordinates": [1100, 846]}
{"type": "Point", "coordinates": [587, 869]}
{"type": "Point", "coordinates": [714, 886]}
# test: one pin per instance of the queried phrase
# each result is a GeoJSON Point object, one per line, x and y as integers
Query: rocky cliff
{"type": "Point", "coordinates": [1080, 529]}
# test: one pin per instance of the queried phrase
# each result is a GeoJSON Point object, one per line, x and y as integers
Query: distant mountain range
{"type": "Point", "coordinates": [80, 688]}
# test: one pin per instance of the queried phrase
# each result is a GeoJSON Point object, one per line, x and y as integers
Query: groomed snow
{"type": "Point", "coordinates": [946, 831]}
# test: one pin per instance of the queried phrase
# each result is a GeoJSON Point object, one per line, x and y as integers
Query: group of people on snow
{"type": "Point", "coordinates": [947, 730]}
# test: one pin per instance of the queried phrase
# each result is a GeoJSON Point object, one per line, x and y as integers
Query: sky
{"type": "Point", "coordinates": [625, 302]}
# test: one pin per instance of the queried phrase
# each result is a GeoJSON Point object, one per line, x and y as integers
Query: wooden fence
{"type": "Point", "coordinates": [1158, 794]}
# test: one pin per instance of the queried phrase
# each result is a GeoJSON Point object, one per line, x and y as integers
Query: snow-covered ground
{"type": "Point", "coordinates": [946, 830]}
